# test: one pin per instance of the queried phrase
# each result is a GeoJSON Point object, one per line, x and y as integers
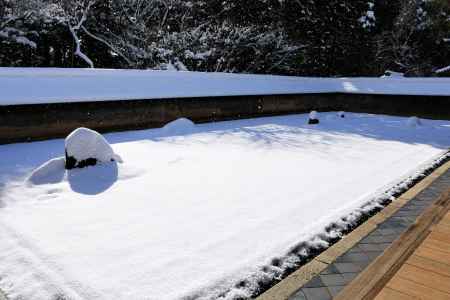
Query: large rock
{"type": "Point", "coordinates": [85, 147]}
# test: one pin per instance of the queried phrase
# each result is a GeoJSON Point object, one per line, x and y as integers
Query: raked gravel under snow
{"type": "Point", "coordinates": [189, 215]}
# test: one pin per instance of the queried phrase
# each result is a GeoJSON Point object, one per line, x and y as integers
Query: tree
{"type": "Point", "coordinates": [294, 37]}
{"type": "Point", "coordinates": [75, 15]}
{"type": "Point", "coordinates": [328, 30]}
{"type": "Point", "coordinates": [15, 37]}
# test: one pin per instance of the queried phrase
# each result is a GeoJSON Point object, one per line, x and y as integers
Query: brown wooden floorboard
{"type": "Point", "coordinates": [428, 278]}
{"type": "Point", "coordinates": [388, 294]}
{"type": "Point", "coordinates": [433, 254]}
{"type": "Point", "coordinates": [429, 264]}
{"type": "Point", "coordinates": [416, 290]}
{"type": "Point", "coordinates": [426, 273]}
{"type": "Point", "coordinates": [417, 265]}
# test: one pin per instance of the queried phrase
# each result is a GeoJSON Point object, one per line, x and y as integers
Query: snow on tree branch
{"type": "Point", "coordinates": [443, 70]}
{"type": "Point", "coordinates": [9, 32]}
{"type": "Point", "coordinates": [74, 22]}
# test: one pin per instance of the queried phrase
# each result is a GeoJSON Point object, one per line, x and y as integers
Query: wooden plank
{"type": "Point", "coordinates": [416, 290]}
{"type": "Point", "coordinates": [445, 221]}
{"type": "Point", "coordinates": [390, 294]}
{"type": "Point", "coordinates": [428, 264]}
{"type": "Point", "coordinates": [447, 216]}
{"type": "Point", "coordinates": [436, 244]}
{"type": "Point", "coordinates": [377, 274]}
{"type": "Point", "coordinates": [372, 280]}
{"type": "Point", "coordinates": [440, 236]}
{"type": "Point", "coordinates": [441, 228]}
{"type": "Point", "coordinates": [433, 254]}
{"type": "Point", "coordinates": [424, 277]}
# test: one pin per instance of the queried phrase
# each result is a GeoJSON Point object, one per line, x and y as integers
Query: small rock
{"type": "Point", "coordinates": [313, 119]}
{"type": "Point", "coordinates": [413, 122]}
{"type": "Point", "coordinates": [50, 172]}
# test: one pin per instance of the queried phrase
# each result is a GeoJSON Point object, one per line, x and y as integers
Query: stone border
{"type": "Point", "coordinates": [372, 233]}
{"type": "Point", "coordinates": [25, 123]}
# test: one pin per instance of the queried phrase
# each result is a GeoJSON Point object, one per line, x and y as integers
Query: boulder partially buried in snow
{"type": "Point", "coordinates": [413, 122]}
{"type": "Point", "coordinates": [86, 147]}
{"type": "Point", "coordinates": [179, 126]}
{"type": "Point", "coordinates": [49, 172]}
{"type": "Point", "coordinates": [313, 119]}
{"type": "Point", "coordinates": [341, 114]}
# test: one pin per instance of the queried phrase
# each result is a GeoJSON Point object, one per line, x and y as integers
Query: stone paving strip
{"type": "Point", "coordinates": [330, 272]}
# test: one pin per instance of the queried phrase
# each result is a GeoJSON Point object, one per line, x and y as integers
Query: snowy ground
{"type": "Point", "coordinates": [191, 214]}
{"type": "Point", "coordinates": [47, 85]}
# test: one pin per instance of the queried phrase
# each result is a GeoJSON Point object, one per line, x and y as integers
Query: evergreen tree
{"type": "Point", "coordinates": [334, 38]}
{"type": "Point", "coordinates": [295, 37]}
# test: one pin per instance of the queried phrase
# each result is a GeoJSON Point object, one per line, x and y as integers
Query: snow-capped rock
{"type": "Point", "coordinates": [50, 172]}
{"type": "Point", "coordinates": [86, 147]}
{"type": "Point", "coordinates": [179, 126]}
{"type": "Point", "coordinates": [392, 74]}
{"type": "Point", "coordinates": [313, 119]}
{"type": "Point", "coordinates": [413, 122]}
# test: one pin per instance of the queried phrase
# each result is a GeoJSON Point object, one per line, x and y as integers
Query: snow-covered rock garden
{"type": "Point", "coordinates": [194, 209]}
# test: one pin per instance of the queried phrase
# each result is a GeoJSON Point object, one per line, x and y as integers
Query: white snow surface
{"type": "Point", "coordinates": [191, 215]}
{"type": "Point", "coordinates": [84, 143]}
{"type": "Point", "coordinates": [52, 85]}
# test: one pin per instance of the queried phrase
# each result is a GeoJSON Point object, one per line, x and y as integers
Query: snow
{"type": "Point", "coordinates": [84, 143]}
{"type": "Point", "coordinates": [443, 70]}
{"type": "Point", "coordinates": [24, 41]}
{"type": "Point", "coordinates": [49, 85]}
{"type": "Point", "coordinates": [191, 215]}
{"type": "Point", "coordinates": [179, 126]}
{"type": "Point", "coordinates": [17, 36]}
{"type": "Point", "coordinates": [50, 172]}
{"type": "Point", "coordinates": [313, 115]}
{"type": "Point", "coordinates": [391, 74]}
{"type": "Point", "coordinates": [414, 122]}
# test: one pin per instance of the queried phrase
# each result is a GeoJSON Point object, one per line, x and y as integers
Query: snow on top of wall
{"type": "Point", "coordinates": [52, 85]}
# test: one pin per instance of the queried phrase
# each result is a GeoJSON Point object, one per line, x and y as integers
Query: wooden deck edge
{"type": "Point", "coordinates": [288, 286]}
{"type": "Point", "coordinates": [370, 282]}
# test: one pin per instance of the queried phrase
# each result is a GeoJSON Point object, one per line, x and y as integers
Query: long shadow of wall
{"type": "Point", "coordinates": [22, 123]}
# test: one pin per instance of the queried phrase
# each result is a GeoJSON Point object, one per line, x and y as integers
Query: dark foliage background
{"type": "Point", "coordinates": [292, 37]}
